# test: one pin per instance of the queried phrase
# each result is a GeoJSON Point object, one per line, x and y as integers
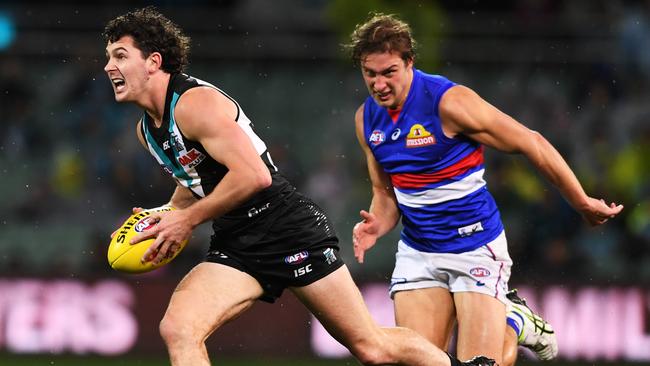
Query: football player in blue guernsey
{"type": "Point", "coordinates": [267, 236]}
{"type": "Point", "coordinates": [423, 139]}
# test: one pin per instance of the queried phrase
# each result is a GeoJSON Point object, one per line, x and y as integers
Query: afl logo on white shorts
{"type": "Point", "coordinates": [479, 272]}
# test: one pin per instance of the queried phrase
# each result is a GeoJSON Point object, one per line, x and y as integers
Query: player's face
{"type": "Point", "coordinates": [388, 78]}
{"type": "Point", "coordinates": [126, 69]}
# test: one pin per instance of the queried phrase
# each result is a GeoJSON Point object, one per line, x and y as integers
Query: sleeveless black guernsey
{"type": "Point", "coordinates": [191, 166]}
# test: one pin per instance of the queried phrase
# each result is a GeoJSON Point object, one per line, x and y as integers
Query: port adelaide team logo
{"type": "Point", "coordinates": [330, 255]}
{"type": "Point", "coordinates": [418, 136]}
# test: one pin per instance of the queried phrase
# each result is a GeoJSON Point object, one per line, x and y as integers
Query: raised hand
{"type": "Point", "coordinates": [364, 234]}
{"type": "Point", "coordinates": [597, 212]}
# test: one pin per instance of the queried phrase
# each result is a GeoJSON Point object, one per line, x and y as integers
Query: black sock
{"type": "Point", "coordinates": [454, 360]}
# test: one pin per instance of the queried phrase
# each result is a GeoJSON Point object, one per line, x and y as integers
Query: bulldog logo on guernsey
{"type": "Point", "coordinates": [419, 136]}
{"type": "Point", "coordinates": [377, 137]}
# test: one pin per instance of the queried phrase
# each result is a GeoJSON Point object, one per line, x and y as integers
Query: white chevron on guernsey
{"type": "Point", "coordinates": [448, 192]}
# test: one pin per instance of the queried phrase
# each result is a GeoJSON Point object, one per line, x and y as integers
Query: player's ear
{"type": "Point", "coordinates": [154, 61]}
{"type": "Point", "coordinates": [408, 63]}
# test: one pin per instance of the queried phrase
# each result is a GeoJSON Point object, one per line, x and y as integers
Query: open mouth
{"type": "Point", "coordinates": [118, 84]}
{"type": "Point", "coordinates": [383, 96]}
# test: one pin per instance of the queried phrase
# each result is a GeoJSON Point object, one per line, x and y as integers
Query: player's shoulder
{"type": "Point", "coordinates": [433, 80]}
{"type": "Point", "coordinates": [198, 95]}
{"type": "Point", "coordinates": [200, 103]}
{"type": "Point", "coordinates": [185, 85]}
{"type": "Point", "coordinates": [359, 112]}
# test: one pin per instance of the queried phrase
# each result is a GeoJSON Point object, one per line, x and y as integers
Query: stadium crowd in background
{"type": "Point", "coordinates": [596, 113]}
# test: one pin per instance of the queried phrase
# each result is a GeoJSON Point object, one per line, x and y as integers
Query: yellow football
{"type": "Point", "coordinates": [125, 257]}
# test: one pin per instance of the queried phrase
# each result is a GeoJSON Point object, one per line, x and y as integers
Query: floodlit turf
{"type": "Point", "coordinates": [13, 360]}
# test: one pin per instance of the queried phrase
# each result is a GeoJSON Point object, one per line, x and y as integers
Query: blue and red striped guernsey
{"type": "Point", "coordinates": [438, 181]}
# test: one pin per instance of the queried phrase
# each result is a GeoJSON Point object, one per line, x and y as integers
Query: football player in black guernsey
{"type": "Point", "coordinates": [267, 237]}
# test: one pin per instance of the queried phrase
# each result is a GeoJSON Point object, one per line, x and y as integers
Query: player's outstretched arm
{"type": "Point", "coordinates": [384, 212]}
{"type": "Point", "coordinates": [462, 111]}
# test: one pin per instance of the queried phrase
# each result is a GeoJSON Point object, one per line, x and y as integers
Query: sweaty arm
{"type": "Point", "coordinates": [205, 115]}
{"type": "Point", "coordinates": [384, 213]}
{"type": "Point", "coordinates": [462, 111]}
{"type": "Point", "coordinates": [182, 197]}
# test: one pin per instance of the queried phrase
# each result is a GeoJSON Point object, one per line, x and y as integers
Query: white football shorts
{"type": "Point", "coordinates": [484, 270]}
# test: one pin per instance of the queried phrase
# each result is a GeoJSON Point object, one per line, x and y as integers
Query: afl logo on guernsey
{"type": "Point", "coordinates": [377, 137]}
{"type": "Point", "coordinates": [419, 136]}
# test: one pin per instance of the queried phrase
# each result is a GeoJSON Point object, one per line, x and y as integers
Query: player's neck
{"type": "Point", "coordinates": [155, 97]}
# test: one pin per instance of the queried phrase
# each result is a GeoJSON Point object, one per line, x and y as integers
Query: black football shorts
{"type": "Point", "coordinates": [286, 242]}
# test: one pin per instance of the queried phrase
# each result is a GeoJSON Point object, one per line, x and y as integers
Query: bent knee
{"type": "Point", "coordinates": [372, 353]}
{"type": "Point", "coordinates": [173, 330]}
{"type": "Point", "coordinates": [167, 329]}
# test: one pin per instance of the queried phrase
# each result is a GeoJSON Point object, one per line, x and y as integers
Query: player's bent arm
{"type": "Point", "coordinates": [205, 115]}
{"type": "Point", "coordinates": [384, 203]}
{"type": "Point", "coordinates": [462, 111]}
{"type": "Point", "coordinates": [182, 197]}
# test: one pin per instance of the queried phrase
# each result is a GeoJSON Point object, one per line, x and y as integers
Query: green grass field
{"type": "Point", "coordinates": [13, 360]}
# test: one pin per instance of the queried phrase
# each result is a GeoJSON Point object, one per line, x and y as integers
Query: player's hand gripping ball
{"type": "Point", "coordinates": [125, 257]}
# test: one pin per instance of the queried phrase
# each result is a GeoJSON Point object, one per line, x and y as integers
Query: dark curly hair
{"type": "Point", "coordinates": [381, 33]}
{"type": "Point", "coordinates": [152, 32]}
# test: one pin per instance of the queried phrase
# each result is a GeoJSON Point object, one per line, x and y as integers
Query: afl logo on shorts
{"type": "Point", "coordinates": [145, 224]}
{"type": "Point", "coordinates": [296, 258]}
{"type": "Point", "coordinates": [479, 272]}
{"type": "Point", "coordinates": [377, 137]}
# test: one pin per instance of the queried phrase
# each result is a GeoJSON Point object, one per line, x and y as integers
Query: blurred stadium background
{"type": "Point", "coordinates": [71, 168]}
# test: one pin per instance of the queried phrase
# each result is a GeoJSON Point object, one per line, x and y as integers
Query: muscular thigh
{"type": "Point", "coordinates": [337, 303]}
{"type": "Point", "coordinates": [428, 311]}
{"type": "Point", "coordinates": [481, 325]}
{"type": "Point", "coordinates": [210, 295]}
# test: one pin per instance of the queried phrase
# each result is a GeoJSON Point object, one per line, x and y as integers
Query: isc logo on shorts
{"type": "Point", "coordinates": [302, 271]}
{"type": "Point", "coordinates": [296, 258]}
